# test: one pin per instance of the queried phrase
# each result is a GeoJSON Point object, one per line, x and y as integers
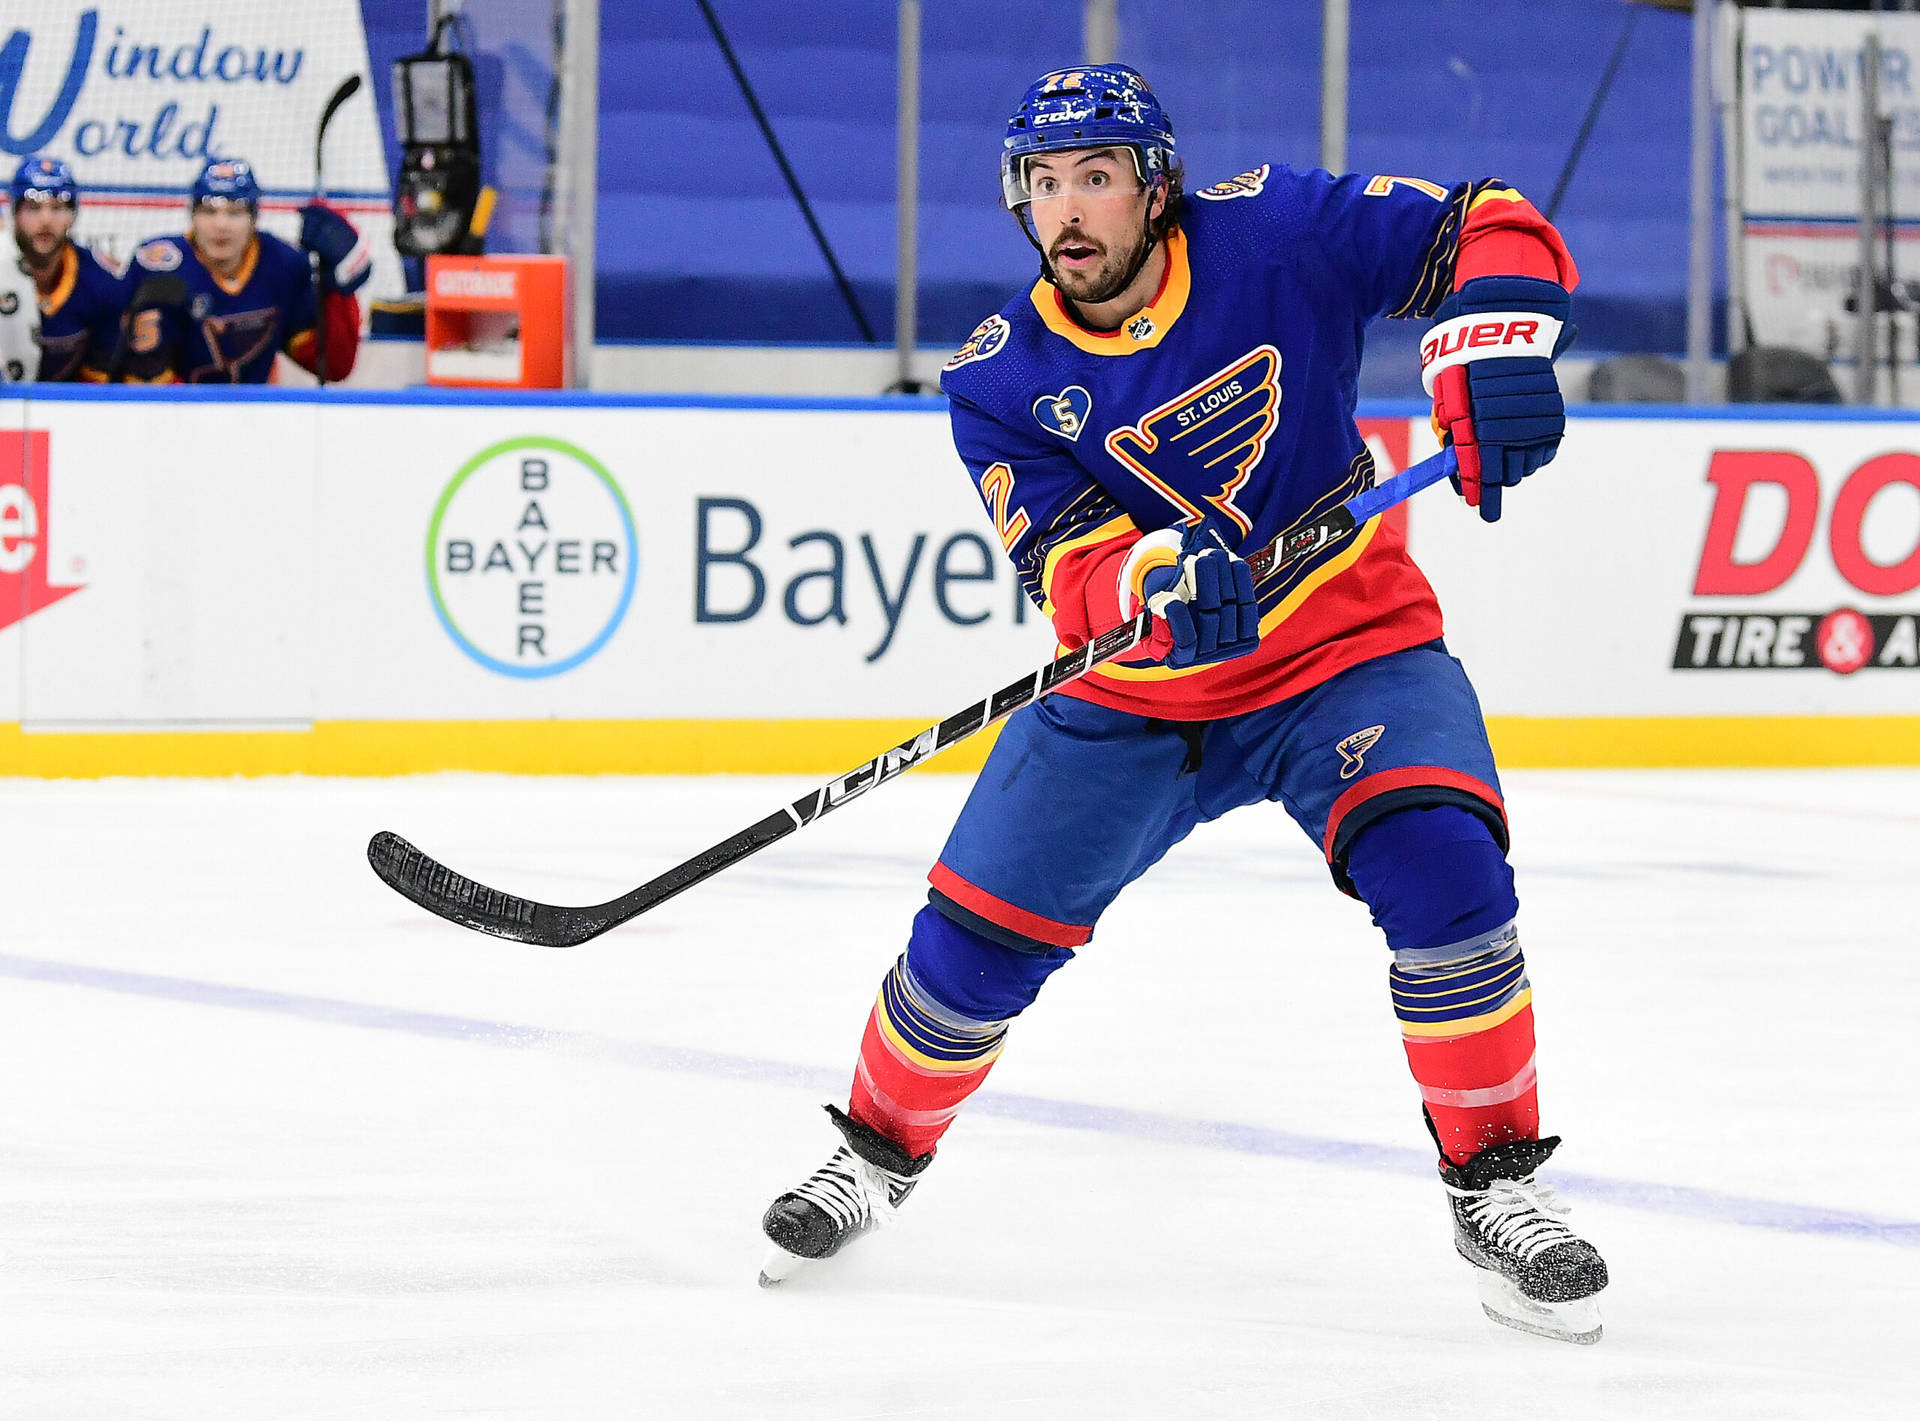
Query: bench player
{"type": "Point", "coordinates": [1176, 390]}
{"type": "Point", "coordinates": [60, 321]}
{"type": "Point", "coordinates": [250, 294]}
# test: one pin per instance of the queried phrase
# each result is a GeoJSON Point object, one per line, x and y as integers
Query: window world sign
{"type": "Point", "coordinates": [137, 97]}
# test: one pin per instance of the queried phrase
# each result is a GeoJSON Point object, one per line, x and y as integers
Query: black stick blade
{"type": "Point", "coordinates": [460, 899]}
{"type": "Point", "coordinates": [349, 86]}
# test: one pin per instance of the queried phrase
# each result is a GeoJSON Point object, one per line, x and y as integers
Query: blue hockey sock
{"type": "Point", "coordinates": [1432, 877]}
{"type": "Point", "coordinates": [971, 974]}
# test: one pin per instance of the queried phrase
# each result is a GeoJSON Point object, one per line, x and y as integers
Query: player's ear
{"type": "Point", "coordinates": [1157, 201]}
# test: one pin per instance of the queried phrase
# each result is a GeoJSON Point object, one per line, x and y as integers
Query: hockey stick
{"type": "Point", "coordinates": [439, 889]}
{"type": "Point", "coordinates": [349, 86]}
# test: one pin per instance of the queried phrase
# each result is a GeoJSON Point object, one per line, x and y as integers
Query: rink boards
{"type": "Point", "coordinates": [262, 582]}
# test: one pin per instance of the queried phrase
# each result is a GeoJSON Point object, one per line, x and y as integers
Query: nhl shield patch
{"type": "Point", "coordinates": [1065, 413]}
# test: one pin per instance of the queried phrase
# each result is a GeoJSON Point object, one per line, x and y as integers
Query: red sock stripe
{"type": "Point", "coordinates": [1479, 1089]}
{"type": "Point", "coordinates": [908, 1104]}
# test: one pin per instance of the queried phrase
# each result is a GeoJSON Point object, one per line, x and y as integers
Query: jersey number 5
{"type": "Point", "coordinates": [996, 486]}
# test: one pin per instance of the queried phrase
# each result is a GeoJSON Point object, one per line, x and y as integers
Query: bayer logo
{"type": "Point", "coordinates": [531, 557]}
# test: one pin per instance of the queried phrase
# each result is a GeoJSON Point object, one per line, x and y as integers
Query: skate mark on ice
{"type": "Point", "coordinates": [1648, 1196]}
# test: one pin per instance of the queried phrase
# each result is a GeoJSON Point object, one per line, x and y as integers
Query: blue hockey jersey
{"type": "Point", "coordinates": [1230, 396]}
{"type": "Point", "coordinates": [80, 318]}
{"type": "Point", "coordinates": [231, 330]}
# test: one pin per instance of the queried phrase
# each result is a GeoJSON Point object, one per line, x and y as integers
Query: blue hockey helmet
{"type": "Point", "coordinates": [1089, 107]}
{"type": "Point", "coordinates": [44, 178]}
{"type": "Point", "coordinates": [231, 180]}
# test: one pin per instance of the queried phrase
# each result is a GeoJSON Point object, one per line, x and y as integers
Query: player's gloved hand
{"type": "Point", "coordinates": [1488, 363]}
{"type": "Point", "coordinates": [344, 263]}
{"type": "Point", "coordinates": [1200, 593]}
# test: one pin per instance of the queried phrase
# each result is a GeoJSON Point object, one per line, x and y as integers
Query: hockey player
{"type": "Point", "coordinates": [250, 295]}
{"type": "Point", "coordinates": [1176, 390]}
{"type": "Point", "coordinates": [60, 319]}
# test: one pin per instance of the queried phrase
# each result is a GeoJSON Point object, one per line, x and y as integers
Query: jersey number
{"type": "Point", "coordinates": [1381, 186]}
{"type": "Point", "coordinates": [996, 486]}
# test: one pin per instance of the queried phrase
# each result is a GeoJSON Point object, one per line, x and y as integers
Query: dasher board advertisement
{"type": "Point", "coordinates": [431, 581]}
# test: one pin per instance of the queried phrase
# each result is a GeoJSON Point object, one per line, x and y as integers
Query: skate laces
{"type": "Point", "coordinates": [853, 1192]}
{"type": "Point", "coordinates": [1517, 1214]}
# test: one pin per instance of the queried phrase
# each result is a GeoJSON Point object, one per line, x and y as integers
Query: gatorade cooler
{"type": "Point", "coordinates": [497, 322]}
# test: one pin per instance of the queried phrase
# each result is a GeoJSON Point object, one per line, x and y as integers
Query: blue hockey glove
{"type": "Point", "coordinates": [1488, 363]}
{"type": "Point", "coordinates": [1200, 593]}
{"type": "Point", "coordinates": [345, 263]}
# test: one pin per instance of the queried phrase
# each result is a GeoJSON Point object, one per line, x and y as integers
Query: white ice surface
{"type": "Point", "coordinates": [275, 1143]}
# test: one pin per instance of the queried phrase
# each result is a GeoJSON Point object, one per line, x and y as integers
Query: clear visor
{"type": "Point", "coordinates": [1096, 181]}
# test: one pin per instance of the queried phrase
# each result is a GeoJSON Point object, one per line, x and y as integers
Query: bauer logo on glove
{"type": "Point", "coordinates": [1488, 363]}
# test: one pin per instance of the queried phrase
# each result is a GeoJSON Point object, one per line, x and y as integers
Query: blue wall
{"type": "Point", "coordinates": [699, 239]}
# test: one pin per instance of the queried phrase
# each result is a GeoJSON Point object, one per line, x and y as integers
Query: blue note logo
{"type": "Point", "coordinates": [1065, 413]}
{"type": "Point", "coordinates": [1353, 750]}
{"type": "Point", "coordinates": [531, 557]}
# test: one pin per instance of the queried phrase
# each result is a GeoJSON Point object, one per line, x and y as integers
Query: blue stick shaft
{"type": "Point", "coordinates": [1403, 485]}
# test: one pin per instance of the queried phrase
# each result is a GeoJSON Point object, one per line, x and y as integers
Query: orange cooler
{"type": "Point", "coordinates": [497, 322]}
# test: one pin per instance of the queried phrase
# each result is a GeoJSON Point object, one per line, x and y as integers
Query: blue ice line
{"type": "Point", "coordinates": [1645, 1195]}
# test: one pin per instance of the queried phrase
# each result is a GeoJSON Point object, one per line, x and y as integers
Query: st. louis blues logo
{"type": "Point", "coordinates": [1201, 446]}
{"type": "Point", "coordinates": [1245, 185]}
{"type": "Point", "coordinates": [1353, 750]}
{"type": "Point", "coordinates": [988, 339]}
{"type": "Point", "coordinates": [1065, 413]}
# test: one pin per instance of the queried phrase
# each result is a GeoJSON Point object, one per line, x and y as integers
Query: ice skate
{"type": "Point", "coordinates": [1536, 1274]}
{"type": "Point", "coordinates": [856, 1190]}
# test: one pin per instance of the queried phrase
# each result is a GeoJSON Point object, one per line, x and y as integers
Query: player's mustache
{"type": "Point", "coordinates": [1073, 240]}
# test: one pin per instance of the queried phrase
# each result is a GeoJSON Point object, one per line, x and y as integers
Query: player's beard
{"type": "Point", "coordinates": [40, 248]}
{"type": "Point", "coordinates": [1108, 280]}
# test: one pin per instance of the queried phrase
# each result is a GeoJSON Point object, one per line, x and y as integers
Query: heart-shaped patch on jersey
{"type": "Point", "coordinates": [1065, 413]}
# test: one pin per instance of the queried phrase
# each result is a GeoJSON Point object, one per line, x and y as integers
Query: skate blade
{"type": "Point", "coordinates": [779, 1266]}
{"type": "Point", "coordinates": [1577, 1322]}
